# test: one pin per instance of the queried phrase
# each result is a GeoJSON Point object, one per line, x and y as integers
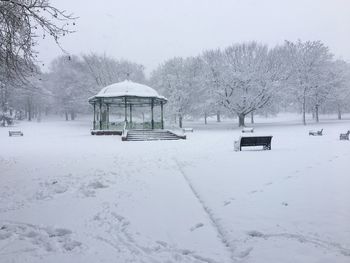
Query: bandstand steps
{"type": "Point", "coordinates": [152, 135]}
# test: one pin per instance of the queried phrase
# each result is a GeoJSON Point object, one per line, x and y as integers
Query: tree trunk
{"type": "Point", "coordinates": [39, 114]}
{"type": "Point", "coordinates": [304, 110]}
{"type": "Point", "coordinates": [339, 114]}
{"type": "Point", "coordinates": [252, 117]}
{"type": "Point", "coordinates": [66, 114]}
{"type": "Point", "coordinates": [72, 115]}
{"type": "Point", "coordinates": [316, 113]}
{"type": "Point", "coordinates": [175, 118]}
{"type": "Point", "coordinates": [218, 117]}
{"type": "Point", "coordinates": [30, 114]}
{"type": "Point", "coordinates": [241, 118]}
{"type": "Point", "coordinates": [180, 121]}
{"type": "Point", "coordinates": [29, 105]}
{"type": "Point", "coordinates": [205, 118]}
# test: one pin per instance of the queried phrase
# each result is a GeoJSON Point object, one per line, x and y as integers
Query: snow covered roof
{"type": "Point", "coordinates": [128, 88]}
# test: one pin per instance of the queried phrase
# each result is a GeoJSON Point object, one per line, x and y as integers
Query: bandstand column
{"type": "Point", "coordinates": [126, 110]}
{"type": "Point", "coordinates": [94, 122]}
{"type": "Point", "coordinates": [152, 106]}
{"type": "Point", "coordinates": [107, 116]}
{"type": "Point", "coordinates": [161, 115]}
{"type": "Point", "coordinates": [100, 114]}
{"type": "Point", "coordinates": [130, 113]}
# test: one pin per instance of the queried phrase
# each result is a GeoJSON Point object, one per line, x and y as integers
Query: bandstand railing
{"type": "Point", "coordinates": [119, 126]}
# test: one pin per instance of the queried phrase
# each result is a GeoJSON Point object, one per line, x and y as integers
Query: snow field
{"type": "Point", "coordinates": [67, 196]}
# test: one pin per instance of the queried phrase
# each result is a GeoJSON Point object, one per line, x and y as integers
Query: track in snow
{"type": "Point", "coordinates": [117, 236]}
{"type": "Point", "coordinates": [221, 233]}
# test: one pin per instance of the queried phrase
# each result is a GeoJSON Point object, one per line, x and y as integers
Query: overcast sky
{"type": "Point", "coordinates": [151, 31]}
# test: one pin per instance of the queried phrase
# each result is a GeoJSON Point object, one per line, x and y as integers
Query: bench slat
{"type": "Point", "coordinates": [18, 133]}
{"type": "Point", "coordinates": [264, 141]}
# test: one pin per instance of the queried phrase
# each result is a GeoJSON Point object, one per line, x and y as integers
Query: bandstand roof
{"type": "Point", "coordinates": [129, 92]}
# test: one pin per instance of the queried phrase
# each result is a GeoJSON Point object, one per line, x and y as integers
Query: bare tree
{"type": "Point", "coordinates": [22, 22]}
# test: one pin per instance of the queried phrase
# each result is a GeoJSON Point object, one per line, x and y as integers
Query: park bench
{"type": "Point", "coordinates": [244, 141]}
{"type": "Point", "coordinates": [247, 129]}
{"type": "Point", "coordinates": [15, 133]}
{"type": "Point", "coordinates": [344, 136]}
{"type": "Point", "coordinates": [316, 133]}
{"type": "Point", "coordinates": [187, 129]}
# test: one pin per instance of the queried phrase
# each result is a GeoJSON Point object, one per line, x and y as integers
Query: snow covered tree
{"type": "Point", "coordinates": [6, 116]}
{"type": "Point", "coordinates": [25, 99]}
{"type": "Point", "coordinates": [106, 70]}
{"type": "Point", "coordinates": [339, 97]}
{"type": "Point", "coordinates": [22, 22]}
{"type": "Point", "coordinates": [243, 77]}
{"type": "Point", "coordinates": [179, 80]}
{"type": "Point", "coordinates": [70, 85]}
{"type": "Point", "coordinates": [308, 63]}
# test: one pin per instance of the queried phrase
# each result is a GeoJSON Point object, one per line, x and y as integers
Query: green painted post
{"type": "Point", "coordinates": [130, 114]}
{"type": "Point", "coordinates": [100, 114]}
{"type": "Point", "coordinates": [107, 116]}
{"type": "Point", "coordinates": [126, 110]}
{"type": "Point", "coordinates": [152, 106]}
{"type": "Point", "coordinates": [162, 115]}
{"type": "Point", "coordinates": [94, 122]}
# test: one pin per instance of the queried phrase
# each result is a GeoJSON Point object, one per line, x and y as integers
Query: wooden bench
{"type": "Point", "coordinates": [187, 129]}
{"type": "Point", "coordinates": [316, 133]}
{"type": "Point", "coordinates": [15, 133]}
{"type": "Point", "coordinates": [246, 129]}
{"type": "Point", "coordinates": [344, 136]}
{"type": "Point", "coordinates": [244, 141]}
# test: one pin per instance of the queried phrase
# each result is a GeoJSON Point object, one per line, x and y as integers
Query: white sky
{"type": "Point", "coordinates": [151, 31]}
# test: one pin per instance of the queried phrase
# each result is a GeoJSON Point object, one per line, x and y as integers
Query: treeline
{"type": "Point", "coordinates": [65, 89]}
{"type": "Point", "coordinates": [240, 80]}
{"type": "Point", "coordinates": [251, 78]}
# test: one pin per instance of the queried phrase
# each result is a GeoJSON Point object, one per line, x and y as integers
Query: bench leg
{"type": "Point", "coordinates": [267, 147]}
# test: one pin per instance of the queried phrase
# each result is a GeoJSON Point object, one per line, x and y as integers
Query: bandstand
{"type": "Point", "coordinates": [127, 96]}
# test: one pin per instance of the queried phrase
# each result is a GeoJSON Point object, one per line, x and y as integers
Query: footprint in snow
{"type": "Point", "coordinates": [198, 225]}
{"type": "Point", "coordinates": [255, 191]}
{"type": "Point", "coordinates": [227, 203]}
{"type": "Point", "coordinates": [289, 177]}
{"type": "Point", "coordinates": [162, 243]}
{"type": "Point", "coordinates": [49, 189]}
{"type": "Point", "coordinates": [255, 233]}
{"type": "Point", "coordinates": [245, 253]}
{"type": "Point", "coordinates": [35, 237]}
{"type": "Point", "coordinates": [90, 189]}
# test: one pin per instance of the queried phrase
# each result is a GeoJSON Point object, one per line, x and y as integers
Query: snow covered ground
{"type": "Point", "coordinates": [67, 196]}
